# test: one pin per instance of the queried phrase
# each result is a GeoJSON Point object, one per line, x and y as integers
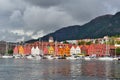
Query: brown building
{"type": "Point", "coordinates": [5, 46]}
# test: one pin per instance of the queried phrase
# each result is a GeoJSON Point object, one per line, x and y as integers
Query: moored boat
{"type": "Point", "coordinates": [106, 58]}
{"type": "Point", "coordinates": [16, 56]}
{"type": "Point", "coordinates": [7, 56]}
{"type": "Point", "coordinates": [87, 58]}
{"type": "Point", "coordinates": [71, 58]}
{"type": "Point", "coordinates": [29, 57]}
{"type": "Point", "coordinates": [49, 57]}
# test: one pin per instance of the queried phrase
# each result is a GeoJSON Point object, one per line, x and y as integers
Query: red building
{"type": "Point", "coordinates": [97, 49]}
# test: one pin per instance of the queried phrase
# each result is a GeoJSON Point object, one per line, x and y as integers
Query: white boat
{"type": "Point", "coordinates": [116, 58]}
{"type": "Point", "coordinates": [6, 56]}
{"type": "Point", "coordinates": [87, 58]}
{"type": "Point", "coordinates": [49, 57]}
{"type": "Point", "coordinates": [106, 58]}
{"type": "Point", "coordinates": [71, 58]}
{"type": "Point", "coordinates": [29, 57]}
{"type": "Point", "coordinates": [16, 56]}
{"type": "Point", "coordinates": [34, 57]}
{"type": "Point", "coordinates": [37, 57]}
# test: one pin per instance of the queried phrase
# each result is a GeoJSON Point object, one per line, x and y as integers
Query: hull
{"type": "Point", "coordinates": [7, 56]}
{"type": "Point", "coordinates": [106, 58]}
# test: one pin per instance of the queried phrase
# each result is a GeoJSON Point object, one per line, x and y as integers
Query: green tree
{"type": "Point", "coordinates": [81, 42]}
{"type": "Point", "coordinates": [10, 51]}
{"type": "Point", "coordinates": [65, 42]}
{"type": "Point", "coordinates": [88, 43]}
{"type": "Point", "coordinates": [118, 42]}
{"type": "Point", "coordinates": [96, 41]}
{"type": "Point", "coordinates": [118, 51]}
{"type": "Point", "coordinates": [112, 41]}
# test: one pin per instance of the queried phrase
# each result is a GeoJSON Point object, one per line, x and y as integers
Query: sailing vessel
{"type": "Point", "coordinates": [107, 55]}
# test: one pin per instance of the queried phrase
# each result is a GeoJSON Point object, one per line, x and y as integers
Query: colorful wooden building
{"type": "Point", "coordinates": [51, 50]}
{"type": "Point", "coordinates": [15, 50]}
{"type": "Point", "coordinates": [72, 50]}
{"type": "Point", "coordinates": [21, 50]}
{"type": "Point", "coordinates": [67, 50]}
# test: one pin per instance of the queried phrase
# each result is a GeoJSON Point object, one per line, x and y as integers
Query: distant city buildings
{"type": "Point", "coordinates": [89, 47]}
{"type": "Point", "coordinates": [98, 47]}
{"type": "Point", "coordinates": [5, 47]}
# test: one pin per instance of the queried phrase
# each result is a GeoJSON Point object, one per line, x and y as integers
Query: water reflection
{"type": "Point", "coordinates": [19, 69]}
{"type": "Point", "coordinates": [56, 69]}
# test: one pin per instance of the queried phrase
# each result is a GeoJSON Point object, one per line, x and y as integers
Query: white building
{"type": "Point", "coordinates": [37, 51]}
{"type": "Point", "coordinates": [72, 50]}
{"type": "Point", "coordinates": [33, 51]}
{"type": "Point", "coordinates": [78, 50]}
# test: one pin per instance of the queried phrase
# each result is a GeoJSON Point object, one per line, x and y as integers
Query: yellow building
{"type": "Point", "coordinates": [21, 50]}
{"type": "Point", "coordinates": [51, 50]}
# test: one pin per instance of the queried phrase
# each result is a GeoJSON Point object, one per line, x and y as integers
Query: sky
{"type": "Point", "coordinates": [22, 20]}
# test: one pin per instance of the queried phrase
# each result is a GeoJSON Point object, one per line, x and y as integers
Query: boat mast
{"type": "Point", "coordinates": [6, 52]}
{"type": "Point", "coordinates": [107, 46]}
{"type": "Point", "coordinates": [39, 46]}
{"type": "Point", "coordinates": [55, 48]}
{"type": "Point", "coordinates": [115, 48]}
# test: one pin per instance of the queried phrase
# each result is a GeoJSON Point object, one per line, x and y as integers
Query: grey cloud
{"type": "Point", "coordinates": [81, 10]}
{"type": "Point", "coordinates": [8, 36]}
{"type": "Point", "coordinates": [85, 10]}
{"type": "Point", "coordinates": [46, 19]}
{"type": "Point", "coordinates": [46, 3]}
{"type": "Point", "coordinates": [39, 17]}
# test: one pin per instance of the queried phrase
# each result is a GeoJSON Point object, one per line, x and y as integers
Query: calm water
{"type": "Point", "coordinates": [19, 69]}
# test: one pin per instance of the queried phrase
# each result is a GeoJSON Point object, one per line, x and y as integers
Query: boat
{"type": "Point", "coordinates": [7, 56]}
{"type": "Point", "coordinates": [16, 56]}
{"type": "Point", "coordinates": [49, 57]}
{"type": "Point", "coordinates": [37, 57]}
{"type": "Point", "coordinates": [106, 58]}
{"type": "Point", "coordinates": [87, 58]}
{"type": "Point", "coordinates": [116, 58]}
{"type": "Point", "coordinates": [74, 57]}
{"type": "Point", "coordinates": [29, 57]}
{"type": "Point", "coordinates": [71, 58]}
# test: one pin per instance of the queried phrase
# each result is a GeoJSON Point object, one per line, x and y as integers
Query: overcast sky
{"type": "Point", "coordinates": [29, 19]}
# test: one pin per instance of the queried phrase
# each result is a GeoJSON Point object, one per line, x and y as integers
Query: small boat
{"type": "Point", "coordinates": [29, 57]}
{"type": "Point", "coordinates": [61, 57]}
{"type": "Point", "coordinates": [106, 58]}
{"type": "Point", "coordinates": [6, 56]}
{"type": "Point", "coordinates": [116, 58]}
{"type": "Point", "coordinates": [17, 56]}
{"type": "Point", "coordinates": [49, 57]}
{"type": "Point", "coordinates": [71, 58]}
{"type": "Point", "coordinates": [87, 58]}
{"type": "Point", "coordinates": [37, 57]}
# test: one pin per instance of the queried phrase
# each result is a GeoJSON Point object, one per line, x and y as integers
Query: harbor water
{"type": "Point", "coordinates": [23, 69]}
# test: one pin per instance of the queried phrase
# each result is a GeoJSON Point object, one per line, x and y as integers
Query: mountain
{"type": "Point", "coordinates": [99, 27]}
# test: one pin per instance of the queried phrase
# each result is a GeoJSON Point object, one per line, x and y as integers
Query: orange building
{"type": "Point", "coordinates": [67, 50]}
{"type": "Point", "coordinates": [21, 50]}
{"type": "Point", "coordinates": [60, 51]}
